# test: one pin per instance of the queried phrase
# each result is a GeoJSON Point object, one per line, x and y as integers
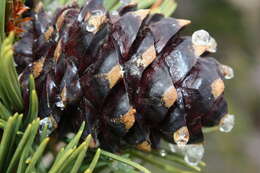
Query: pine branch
{"type": "Point", "coordinates": [24, 143]}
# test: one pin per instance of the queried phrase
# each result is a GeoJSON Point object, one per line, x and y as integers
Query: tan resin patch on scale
{"type": "Point", "coordinates": [57, 51]}
{"type": "Point", "coordinates": [64, 94]}
{"type": "Point", "coordinates": [144, 146]}
{"type": "Point", "coordinates": [37, 67]}
{"type": "Point", "coordinates": [61, 19]}
{"type": "Point", "coordinates": [48, 33]}
{"type": "Point", "coordinates": [199, 50]}
{"type": "Point", "coordinates": [128, 119]}
{"type": "Point", "coordinates": [217, 87]}
{"type": "Point", "coordinates": [183, 22]}
{"type": "Point", "coordinates": [147, 57]}
{"type": "Point", "coordinates": [169, 96]}
{"type": "Point", "coordinates": [114, 75]}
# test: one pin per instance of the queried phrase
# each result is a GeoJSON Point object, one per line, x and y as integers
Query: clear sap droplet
{"type": "Point", "coordinates": [50, 123]}
{"type": "Point", "coordinates": [115, 13]}
{"type": "Point", "coordinates": [60, 104]}
{"type": "Point", "coordinates": [57, 36]}
{"type": "Point", "coordinates": [212, 45]}
{"type": "Point", "coordinates": [97, 13]}
{"type": "Point", "coordinates": [163, 153]}
{"type": "Point", "coordinates": [181, 137]}
{"type": "Point", "coordinates": [227, 71]}
{"type": "Point", "coordinates": [202, 38]}
{"type": "Point", "coordinates": [193, 154]}
{"type": "Point", "coordinates": [181, 143]}
{"type": "Point", "coordinates": [90, 28]}
{"type": "Point", "coordinates": [227, 123]}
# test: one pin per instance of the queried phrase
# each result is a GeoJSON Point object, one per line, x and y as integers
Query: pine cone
{"type": "Point", "coordinates": [129, 74]}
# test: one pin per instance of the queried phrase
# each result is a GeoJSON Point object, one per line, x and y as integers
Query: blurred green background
{"type": "Point", "coordinates": [235, 24]}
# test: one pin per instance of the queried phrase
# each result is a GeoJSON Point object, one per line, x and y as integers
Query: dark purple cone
{"type": "Point", "coordinates": [130, 76]}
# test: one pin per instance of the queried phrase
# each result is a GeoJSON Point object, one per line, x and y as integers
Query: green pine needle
{"type": "Point", "coordinates": [10, 91]}
{"type": "Point", "coordinates": [81, 156]}
{"type": "Point", "coordinates": [11, 147]}
{"type": "Point", "coordinates": [93, 162]}
{"type": "Point", "coordinates": [166, 8]}
{"type": "Point", "coordinates": [156, 161]}
{"type": "Point", "coordinates": [57, 165]}
{"type": "Point", "coordinates": [8, 139]}
{"type": "Point", "coordinates": [4, 113]}
{"type": "Point", "coordinates": [176, 159]}
{"type": "Point", "coordinates": [126, 161]}
{"type": "Point", "coordinates": [72, 144]}
{"type": "Point", "coordinates": [33, 107]}
{"type": "Point", "coordinates": [141, 4]}
{"type": "Point", "coordinates": [109, 4]}
{"type": "Point", "coordinates": [37, 155]}
{"type": "Point", "coordinates": [2, 20]}
{"type": "Point", "coordinates": [19, 149]}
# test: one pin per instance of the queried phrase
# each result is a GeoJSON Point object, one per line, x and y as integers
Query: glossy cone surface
{"type": "Point", "coordinates": [130, 75]}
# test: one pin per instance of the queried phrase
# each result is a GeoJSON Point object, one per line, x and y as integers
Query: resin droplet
{"type": "Point", "coordinates": [227, 71]}
{"type": "Point", "coordinates": [114, 13]}
{"type": "Point", "coordinates": [212, 45]}
{"type": "Point", "coordinates": [227, 123]}
{"type": "Point", "coordinates": [202, 38]}
{"type": "Point", "coordinates": [60, 104]}
{"type": "Point", "coordinates": [50, 123]}
{"type": "Point", "coordinates": [163, 153]}
{"type": "Point", "coordinates": [57, 36]}
{"type": "Point", "coordinates": [193, 154]}
{"type": "Point", "coordinates": [181, 136]}
{"type": "Point", "coordinates": [90, 28]}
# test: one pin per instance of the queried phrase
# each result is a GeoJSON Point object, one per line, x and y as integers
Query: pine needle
{"type": "Point", "coordinates": [6, 140]}
{"type": "Point", "coordinates": [4, 113]}
{"type": "Point", "coordinates": [126, 161]}
{"type": "Point", "coordinates": [37, 155]}
{"type": "Point", "coordinates": [33, 107]}
{"type": "Point", "coordinates": [57, 165]}
{"type": "Point", "coordinates": [93, 162]}
{"type": "Point", "coordinates": [81, 156]}
{"type": "Point", "coordinates": [19, 149]}
{"type": "Point", "coordinates": [10, 91]}
{"type": "Point", "coordinates": [2, 20]}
